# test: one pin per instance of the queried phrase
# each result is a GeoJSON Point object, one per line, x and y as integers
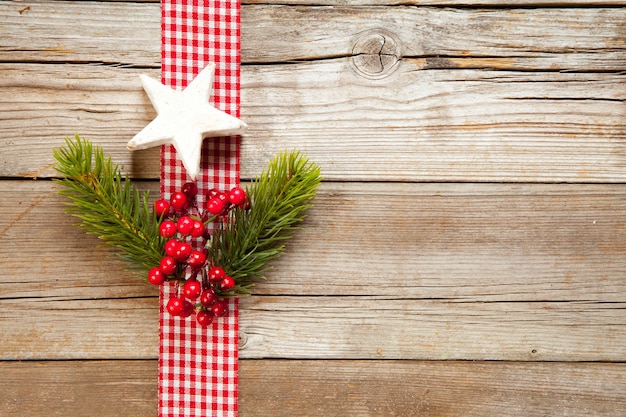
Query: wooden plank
{"type": "Point", "coordinates": [315, 388]}
{"type": "Point", "coordinates": [33, 216]}
{"type": "Point", "coordinates": [563, 240]}
{"type": "Point", "coordinates": [410, 388]}
{"type": "Point", "coordinates": [514, 126]}
{"type": "Point", "coordinates": [79, 388]}
{"type": "Point", "coordinates": [354, 327]}
{"type": "Point", "coordinates": [425, 271]}
{"type": "Point", "coordinates": [128, 34]}
{"type": "Point", "coordinates": [66, 328]}
{"type": "Point", "coordinates": [460, 241]}
{"type": "Point", "coordinates": [587, 40]}
{"type": "Point", "coordinates": [125, 34]}
{"type": "Point", "coordinates": [405, 328]}
{"type": "Point", "coordinates": [44, 103]}
{"type": "Point", "coordinates": [444, 125]}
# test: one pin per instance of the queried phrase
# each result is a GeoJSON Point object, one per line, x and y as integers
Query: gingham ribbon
{"type": "Point", "coordinates": [198, 367]}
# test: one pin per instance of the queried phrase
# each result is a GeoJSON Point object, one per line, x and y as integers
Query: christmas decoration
{"type": "Point", "coordinates": [184, 119]}
{"type": "Point", "coordinates": [238, 231]}
{"type": "Point", "coordinates": [197, 366]}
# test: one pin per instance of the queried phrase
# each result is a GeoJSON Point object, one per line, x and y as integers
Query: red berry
{"type": "Point", "coordinates": [208, 297]}
{"type": "Point", "coordinates": [216, 273]}
{"type": "Point", "coordinates": [175, 306]}
{"type": "Point", "coordinates": [185, 225]}
{"type": "Point", "coordinates": [190, 189]}
{"type": "Point", "coordinates": [196, 260]}
{"type": "Point", "coordinates": [237, 196]}
{"type": "Point", "coordinates": [192, 289]}
{"type": "Point", "coordinates": [161, 208]}
{"type": "Point", "coordinates": [204, 318]}
{"type": "Point", "coordinates": [188, 309]}
{"type": "Point", "coordinates": [156, 276]}
{"type": "Point", "coordinates": [216, 206]}
{"type": "Point", "coordinates": [179, 201]}
{"type": "Point", "coordinates": [167, 228]}
{"type": "Point", "coordinates": [213, 192]}
{"type": "Point", "coordinates": [197, 229]}
{"type": "Point", "coordinates": [227, 283]}
{"type": "Point", "coordinates": [183, 250]}
{"type": "Point", "coordinates": [167, 265]}
{"type": "Point", "coordinates": [220, 308]}
{"type": "Point", "coordinates": [171, 246]}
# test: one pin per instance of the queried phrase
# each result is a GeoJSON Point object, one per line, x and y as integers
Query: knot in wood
{"type": "Point", "coordinates": [375, 54]}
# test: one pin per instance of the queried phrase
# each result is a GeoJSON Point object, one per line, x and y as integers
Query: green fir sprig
{"type": "Point", "coordinates": [279, 197]}
{"type": "Point", "coordinates": [107, 204]}
{"type": "Point", "coordinates": [111, 207]}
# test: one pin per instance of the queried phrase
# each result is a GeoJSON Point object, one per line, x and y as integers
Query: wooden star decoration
{"type": "Point", "coordinates": [184, 119]}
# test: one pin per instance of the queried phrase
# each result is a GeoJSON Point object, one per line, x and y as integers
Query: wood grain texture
{"type": "Point", "coordinates": [324, 388]}
{"type": "Point", "coordinates": [444, 125]}
{"type": "Point", "coordinates": [437, 103]}
{"type": "Point", "coordinates": [128, 34]}
{"type": "Point", "coordinates": [40, 108]}
{"type": "Point", "coordinates": [586, 40]}
{"type": "Point", "coordinates": [79, 388]}
{"type": "Point", "coordinates": [405, 328]}
{"type": "Point", "coordinates": [493, 106]}
{"type": "Point", "coordinates": [124, 34]}
{"type": "Point", "coordinates": [422, 271]}
{"type": "Point", "coordinates": [436, 389]}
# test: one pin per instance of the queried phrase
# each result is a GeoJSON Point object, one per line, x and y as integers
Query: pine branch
{"type": "Point", "coordinates": [243, 243]}
{"type": "Point", "coordinates": [252, 238]}
{"type": "Point", "coordinates": [107, 204]}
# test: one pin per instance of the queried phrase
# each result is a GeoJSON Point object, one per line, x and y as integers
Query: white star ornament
{"type": "Point", "coordinates": [184, 119]}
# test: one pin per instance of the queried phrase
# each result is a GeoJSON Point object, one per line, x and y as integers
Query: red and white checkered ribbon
{"type": "Point", "coordinates": [198, 366]}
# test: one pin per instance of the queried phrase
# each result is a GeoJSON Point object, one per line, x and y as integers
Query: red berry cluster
{"type": "Point", "coordinates": [201, 285]}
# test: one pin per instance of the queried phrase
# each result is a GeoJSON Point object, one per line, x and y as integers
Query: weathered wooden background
{"type": "Point", "coordinates": [467, 253]}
